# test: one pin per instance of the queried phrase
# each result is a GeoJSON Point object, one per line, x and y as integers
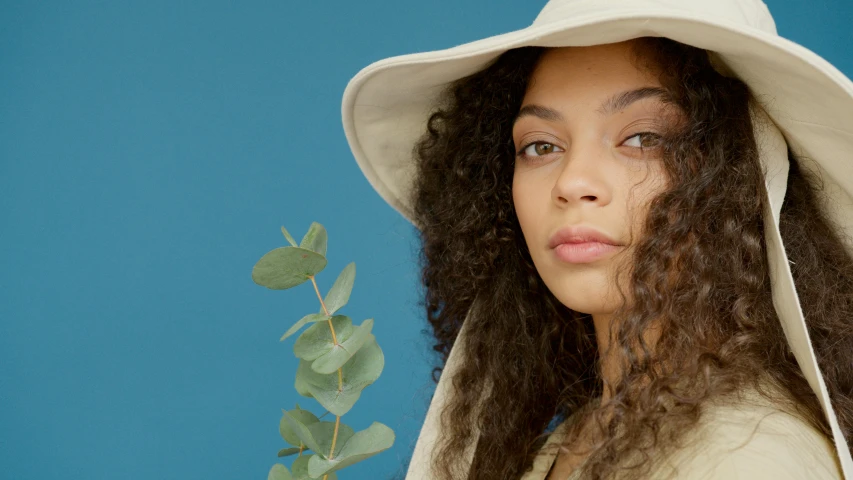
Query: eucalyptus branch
{"type": "Point", "coordinates": [336, 362]}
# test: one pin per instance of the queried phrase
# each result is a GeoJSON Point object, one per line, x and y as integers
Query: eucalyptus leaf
{"type": "Point", "coordinates": [317, 340]}
{"type": "Point", "coordinates": [360, 371]}
{"type": "Point", "coordinates": [364, 444]}
{"type": "Point", "coordinates": [288, 433]}
{"type": "Point", "coordinates": [286, 452]}
{"type": "Point", "coordinates": [323, 433]}
{"type": "Point", "coordinates": [341, 353]}
{"type": "Point", "coordinates": [300, 469]}
{"type": "Point", "coordinates": [288, 237]}
{"type": "Point", "coordinates": [301, 431]}
{"type": "Point", "coordinates": [310, 318]}
{"type": "Point", "coordinates": [287, 267]}
{"type": "Point", "coordinates": [338, 295]}
{"type": "Point", "coordinates": [351, 357]}
{"type": "Point", "coordinates": [279, 472]}
{"type": "Point", "coordinates": [300, 384]}
{"type": "Point", "coordinates": [315, 240]}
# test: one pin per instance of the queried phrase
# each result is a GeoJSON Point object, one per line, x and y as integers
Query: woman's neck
{"type": "Point", "coordinates": [609, 361]}
{"type": "Point", "coordinates": [611, 358]}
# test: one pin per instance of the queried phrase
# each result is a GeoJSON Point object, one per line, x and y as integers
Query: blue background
{"type": "Point", "coordinates": [149, 152]}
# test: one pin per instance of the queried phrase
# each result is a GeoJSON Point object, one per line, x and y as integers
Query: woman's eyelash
{"type": "Point", "coordinates": [521, 151]}
{"type": "Point", "coordinates": [640, 134]}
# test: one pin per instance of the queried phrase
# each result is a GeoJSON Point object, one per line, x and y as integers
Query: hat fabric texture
{"type": "Point", "coordinates": [806, 104]}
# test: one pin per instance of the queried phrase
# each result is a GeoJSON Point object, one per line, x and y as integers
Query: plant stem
{"type": "Point", "coordinates": [332, 328]}
{"type": "Point", "coordinates": [335, 436]}
{"type": "Point", "coordinates": [325, 310]}
{"type": "Point", "coordinates": [340, 373]}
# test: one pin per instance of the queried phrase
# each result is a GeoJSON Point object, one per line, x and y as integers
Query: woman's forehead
{"type": "Point", "coordinates": [601, 78]}
{"type": "Point", "coordinates": [607, 65]}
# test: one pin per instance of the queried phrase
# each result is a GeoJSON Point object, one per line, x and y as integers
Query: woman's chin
{"type": "Point", "coordinates": [586, 294]}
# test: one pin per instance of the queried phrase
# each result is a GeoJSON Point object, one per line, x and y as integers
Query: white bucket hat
{"type": "Point", "coordinates": [807, 103]}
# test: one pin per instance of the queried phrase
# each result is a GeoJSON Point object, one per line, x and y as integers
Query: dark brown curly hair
{"type": "Point", "coordinates": [532, 361]}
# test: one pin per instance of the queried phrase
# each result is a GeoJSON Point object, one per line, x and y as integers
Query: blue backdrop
{"type": "Point", "coordinates": [149, 152]}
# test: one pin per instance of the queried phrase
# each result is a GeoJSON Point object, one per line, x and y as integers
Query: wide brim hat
{"type": "Point", "coordinates": [806, 104]}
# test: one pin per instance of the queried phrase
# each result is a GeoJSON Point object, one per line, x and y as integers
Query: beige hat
{"type": "Point", "coordinates": [807, 106]}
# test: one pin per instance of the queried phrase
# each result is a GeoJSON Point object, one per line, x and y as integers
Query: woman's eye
{"type": "Point", "coordinates": [538, 149]}
{"type": "Point", "coordinates": [642, 143]}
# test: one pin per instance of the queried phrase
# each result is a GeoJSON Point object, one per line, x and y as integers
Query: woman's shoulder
{"type": "Point", "coordinates": [753, 438]}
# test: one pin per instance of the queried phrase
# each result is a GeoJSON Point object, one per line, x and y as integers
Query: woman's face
{"type": "Point", "coordinates": [586, 160]}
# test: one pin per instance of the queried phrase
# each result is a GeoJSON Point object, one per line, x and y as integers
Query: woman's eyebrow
{"type": "Point", "coordinates": [539, 111]}
{"type": "Point", "coordinates": [617, 102]}
{"type": "Point", "coordinates": [620, 101]}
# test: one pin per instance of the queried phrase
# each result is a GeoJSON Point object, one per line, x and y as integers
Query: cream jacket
{"type": "Point", "coordinates": [752, 440]}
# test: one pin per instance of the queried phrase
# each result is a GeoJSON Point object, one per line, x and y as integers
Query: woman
{"type": "Point", "coordinates": [600, 216]}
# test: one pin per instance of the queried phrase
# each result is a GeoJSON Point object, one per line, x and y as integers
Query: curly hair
{"type": "Point", "coordinates": [533, 362]}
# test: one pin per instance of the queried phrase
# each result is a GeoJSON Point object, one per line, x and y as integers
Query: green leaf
{"type": "Point", "coordinates": [288, 237]}
{"type": "Point", "coordinates": [287, 267]}
{"type": "Point", "coordinates": [338, 295]}
{"type": "Point", "coordinates": [301, 431]}
{"type": "Point", "coordinates": [341, 353]}
{"type": "Point", "coordinates": [364, 444]}
{"type": "Point", "coordinates": [323, 433]}
{"type": "Point", "coordinates": [286, 452]}
{"type": "Point", "coordinates": [300, 469]}
{"type": "Point", "coordinates": [316, 341]}
{"type": "Point", "coordinates": [300, 384]}
{"type": "Point", "coordinates": [360, 371]}
{"type": "Point", "coordinates": [288, 433]}
{"type": "Point", "coordinates": [310, 318]}
{"type": "Point", "coordinates": [279, 472]}
{"type": "Point", "coordinates": [315, 239]}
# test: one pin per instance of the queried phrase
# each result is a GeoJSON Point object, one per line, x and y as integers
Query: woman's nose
{"type": "Point", "coordinates": [582, 177]}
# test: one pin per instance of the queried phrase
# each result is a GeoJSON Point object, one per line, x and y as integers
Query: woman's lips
{"type": "Point", "coordinates": [584, 252]}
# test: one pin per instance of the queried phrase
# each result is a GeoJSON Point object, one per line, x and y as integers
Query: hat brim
{"type": "Point", "coordinates": [386, 105]}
